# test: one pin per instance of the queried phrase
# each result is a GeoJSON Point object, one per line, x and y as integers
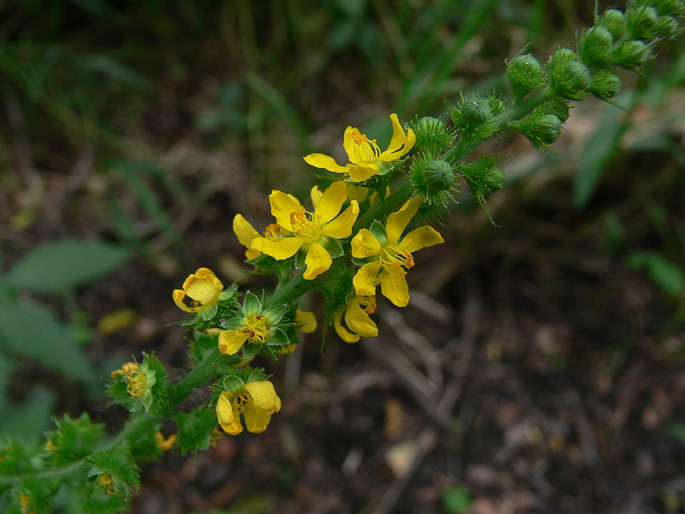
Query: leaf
{"type": "Point", "coordinates": [664, 274]}
{"type": "Point", "coordinates": [35, 332]}
{"type": "Point", "coordinates": [63, 265]}
{"type": "Point", "coordinates": [31, 417]}
{"type": "Point", "coordinates": [597, 152]}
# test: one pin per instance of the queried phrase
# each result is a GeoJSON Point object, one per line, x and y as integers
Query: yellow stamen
{"type": "Point", "coordinates": [272, 231]}
{"type": "Point", "coordinates": [257, 327]}
{"type": "Point", "coordinates": [396, 260]}
{"type": "Point", "coordinates": [136, 383]}
{"type": "Point", "coordinates": [306, 225]}
{"type": "Point", "coordinates": [107, 482]}
{"type": "Point", "coordinates": [366, 150]}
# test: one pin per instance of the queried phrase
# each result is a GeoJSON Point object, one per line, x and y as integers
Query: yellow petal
{"type": "Point", "coordinates": [399, 220]}
{"type": "Point", "coordinates": [224, 411]}
{"type": "Point", "coordinates": [315, 195]}
{"type": "Point", "coordinates": [243, 230]}
{"type": "Point", "coordinates": [364, 280]}
{"type": "Point", "coordinates": [305, 322]}
{"type": "Point", "coordinates": [365, 244]}
{"type": "Point", "coordinates": [178, 296]}
{"type": "Point", "coordinates": [344, 334]}
{"type": "Point", "coordinates": [263, 395]}
{"type": "Point", "coordinates": [341, 226]}
{"type": "Point", "coordinates": [394, 287]}
{"type": "Point", "coordinates": [358, 320]}
{"type": "Point", "coordinates": [318, 260]}
{"type": "Point", "coordinates": [319, 160]}
{"type": "Point", "coordinates": [351, 133]}
{"type": "Point", "coordinates": [400, 143]}
{"type": "Point", "coordinates": [362, 172]}
{"type": "Point", "coordinates": [282, 205]}
{"type": "Point", "coordinates": [331, 202]}
{"type": "Point", "coordinates": [231, 341]}
{"type": "Point", "coordinates": [252, 254]}
{"type": "Point", "coordinates": [279, 248]}
{"type": "Point", "coordinates": [256, 420]}
{"type": "Point", "coordinates": [204, 291]}
{"type": "Point", "coordinates": [422, 237]}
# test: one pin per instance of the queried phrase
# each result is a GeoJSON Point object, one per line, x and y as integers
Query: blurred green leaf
{"type": "Point", "coordinates": [596, 153]}
{"type": "Point", "coordinates": [456, 500]}
{"type": "Point", "coordinates": [664, 274]}
{"type": "Point", "coordinates": [677, 431]}
{"type": "Point", "coordinates": [113, 69]}
{"type": "Point", "coordinates": [7, 366]}
{"type": "Point", "coordinates": [33, 331]}
{"type": "Point", "coordinates": [31, 417]}
{"type": "Point", "coordinates": [63, 265]}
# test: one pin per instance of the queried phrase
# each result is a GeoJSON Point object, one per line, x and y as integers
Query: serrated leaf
{"type": "Point", "coordinates": [33, 331]}
{"type": "Point", "coordinates": [63, 265]}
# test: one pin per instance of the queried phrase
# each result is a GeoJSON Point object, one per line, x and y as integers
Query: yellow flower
{"type": "Point", "coordinates": [257, 401]}
{"type": "Point", "coordinates": [356, 316]}
{"type": "Point", "coordinates": [200, 293]}
{"type": "Point", "coordinates": [106, 481]}
{"type": "Point", "coordinates": [24, 503]}
{"type": "Point", "coordinates": [366, 158]}
{"type": "Point", "coordinates": [138, 380]}
{"type": "Point", "coordinates": [125, 370]}
{"type": "Point", "coordinates": [386, 257]}
{"type": "Point", "coordinates": [164, 444]}
{"type": "Point", "coordinates": [315, 233]}
{"type": "Point", "coordinates": [304, 322]}
{"type": "Point", "coordinates": [246, 233]}
{"type": "Point", "coordinates": [255, 326]}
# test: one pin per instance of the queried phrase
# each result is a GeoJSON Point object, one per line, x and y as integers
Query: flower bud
{"type": "Point", "coordinates": [540, 128]}
{"type": "Point", "coordinates": [433, 135]}
{"type": "Point", "coordinates": [669, 7]}
{"type": "Point", "coordinates": [495, 179]}
{"type": "Point", "coordinates": [666, 26]}
{"type": "Point", "coordinates": [568, 77]}
{"type": "Point", "coordinates": [614, 21]}
{"type": "Point", "coordinates": [594, 45]}
{"type": "Point", "coordinates": [630, 54]}
{"type": "Point", "coordinates": [640, 22]}
{"type": "Point", "coordinates": [483, 177]}
{"type": "Point", "coordinates": [433, 179]}
{"type": "Point", "coordinates": [496, 105]}
{"type": "Point", "coordinates": [557, 107]}
{"type": "Point", "coordinates": [470, 116]}
{"type": "Point", "coordinates": [524, 75]}
{"type": "Point", "coordinates": [605, 84]}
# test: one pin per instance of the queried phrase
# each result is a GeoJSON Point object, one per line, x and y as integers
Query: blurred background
{"type": "Point", "coordinates": [539, 365]}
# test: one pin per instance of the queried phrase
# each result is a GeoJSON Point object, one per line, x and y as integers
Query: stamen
{"type": "Point", "coordinates": [396, 260]}
{"type": "Point", "coordinates": [257, 327]}
{"type": "Point", "coordinates": [306, 225]}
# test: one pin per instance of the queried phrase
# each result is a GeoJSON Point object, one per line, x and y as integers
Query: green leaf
{"type": "Point", "coordinates": [664, 274]}
{"type": "Point", "coordinates": [31, 417]}
{"type": "Point", "coordinates": [456, 500]}
{"type": "Point", "coordinates": [63, 265]}
{"type": "Point", "coordinates": [33, 331]}
{"type": "Point", "coordinates": [597, 152]}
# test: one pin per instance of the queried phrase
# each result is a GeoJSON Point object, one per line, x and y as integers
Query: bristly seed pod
{"type": "Point", "coordinates": [640, 22]}
{"type": "Point", "coordinates": [557, 107]}
{"type": "Point", "coordinates": [669, 7]}
{"type": "Point", "coordinates": [605, 84]}
{"type": "Point", "coordinates": [614, 21]}
{"type": "Point", "coordinates": [432, 135]}
{"type": "Point", "coordinates": [483, 177]}
{"type": "Point", "coordinates": [568, 76]}
{"type": "Point", "coordinates": [666, 26]}
{"type": "Point", "coordinates": [630, 54]}
{"type": "Point", "coordinates": [540, 128]}
{"type": "Point", "coordinates": [594, 46]}
{"type": "Point", "coordinates": [433, 179]}
{"type": "Point", "coordinates": [525, 75]}
{"type": "Point", "coordinates": [471, 117]}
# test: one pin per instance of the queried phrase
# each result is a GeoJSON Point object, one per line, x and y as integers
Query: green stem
{"type": "Point", "coordinates": [383, 208]}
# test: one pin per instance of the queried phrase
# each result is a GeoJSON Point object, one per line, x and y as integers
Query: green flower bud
{"type": "Point", "coordinates": [433, 135]}
{"type": "Point", "coordinates": [471, 117]}
{"type": "Point", "coordinates": [433, 179]}
{"type": "Point", "coordinates": [540, 128]}
{"type": "Point", "coordinates": [666, 26]}
{"type": "Point", "coordinates": [640, 22]}
{"type": "Point", "coordinates": [496, 105]}
{"type": "Point", "coordinates": [568, 77]}
{"type": "Point", "coordinates": [630, 54]}
{"type": "Point", "coordinates": [614, 21]}
{"type": "Point", "coordinates": [495, 179]}
{"type": "Point", "coordinates": [557, 107]}
{"type": "Point", "coordinates": [669, 7]}
{"type": "Point", "coordinates": [483, 177]}
{"type": "Point", "coordinates": [525, 74]}
{"type": "Point", "coordinates": [594, 45]}
{"type": "Point", "coordinates": [475, 112]}
{"type": "Point", "coordinates": [605, 84]}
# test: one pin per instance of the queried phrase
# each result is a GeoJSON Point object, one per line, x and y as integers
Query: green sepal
{"type": "Point", "coordinates": [379, 232]}
{"type": "Point", "coordinates": [119, 463]}
{"type": "Point", "coordinates": [250, 350]}
{"type": "Point", "coordinates": [277, 337]}
{"type": "Point", "coordinates": [233, 384]}
{"type": "Point", "coordinates": [234, 323]}
{"type": "Point", "coordinates": [159, 386]}
{"type": "Point", "coordinates": [209, 312]}
{"type": "Point", "coordinates": [251, 304]}
{"type": "Point", "coordinates": [195, 429]}
{"type": "Point", "coordinates": [274, 314]}
{"type": "Point", "coordinates": [74, 439]}
{"type": "Point", "coordinates": [145, 447]}
{"type": "Point", "coordinates": [300, 256]}
{"type": "Point", "coordinates": [332, 246]}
